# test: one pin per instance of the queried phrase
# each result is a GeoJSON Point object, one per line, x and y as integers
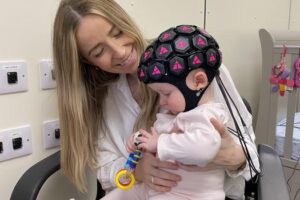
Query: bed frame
{"type": "Point", "coordinates": [272, 106]}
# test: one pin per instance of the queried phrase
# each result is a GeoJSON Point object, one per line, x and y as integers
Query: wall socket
{"type": "Point", "coordinates": [15, 142]}
{"type": "Point", "coordinates": [13, 76]}
{"type": "Point", "coordinates": [51, 134]}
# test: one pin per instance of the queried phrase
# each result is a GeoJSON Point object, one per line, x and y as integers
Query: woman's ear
{"type": "Point", "coordinates": [200, 80]}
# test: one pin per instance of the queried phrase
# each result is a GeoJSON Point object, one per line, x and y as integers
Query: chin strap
{"type": "Point", "coordinates": [191, 97]}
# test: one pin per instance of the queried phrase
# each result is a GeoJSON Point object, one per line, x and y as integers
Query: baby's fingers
{"type": "Point", "coordinates": [145, 134]}
{"type": "Point", "coordinates": [143, 146]}
{"type": "Point", "coordinates": [143, 139]}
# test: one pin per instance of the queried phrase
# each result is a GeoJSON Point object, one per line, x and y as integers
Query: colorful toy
{"type": "Point", "coordinates": [280, 76]}
{"type": "Point", "coordinates": [125, 178]}
{"type": "Point", "coordinates": [297, 71]}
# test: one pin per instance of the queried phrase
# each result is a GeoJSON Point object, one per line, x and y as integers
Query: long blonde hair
{"type": "Point", "coordinates": [81, 89]}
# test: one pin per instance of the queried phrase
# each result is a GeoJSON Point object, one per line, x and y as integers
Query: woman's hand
{"type": "Point", "coordinates": [230, 155]}
{"type": "Point", "coordinates": [150, 171]}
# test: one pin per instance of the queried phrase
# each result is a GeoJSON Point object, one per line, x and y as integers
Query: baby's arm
{"type": "Point", "coordinates": [199, 141]}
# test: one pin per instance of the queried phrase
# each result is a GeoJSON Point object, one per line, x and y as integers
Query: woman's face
{"type": "Point", "coordinates": [106, 46]}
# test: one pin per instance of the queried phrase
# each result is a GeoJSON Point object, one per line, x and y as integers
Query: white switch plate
{"type": "Point", "coordinates": [13, 66]}
{"type": "Point", "coordinates": [7, 136]}
{"type": "Point", "coordinates": [49, 134]}
{"type": "Point", "coordinates": [47, 78]}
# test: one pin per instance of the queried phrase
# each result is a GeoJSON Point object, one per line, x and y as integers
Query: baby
{"type": "Point", "coordinates": [180, 65]}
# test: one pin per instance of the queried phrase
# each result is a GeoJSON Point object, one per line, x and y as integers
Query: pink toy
{"type": "Point", "coordinates": [297, 71]}
{"type": "Point", "coordinates": [279, 77]}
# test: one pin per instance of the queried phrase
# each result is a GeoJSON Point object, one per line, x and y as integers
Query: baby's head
{"type": "Point", "coordinates": [182, 61]}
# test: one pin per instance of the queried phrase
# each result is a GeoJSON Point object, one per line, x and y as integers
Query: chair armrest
{"type": "Point", "coordinates": [272, 184]}
{"type": "Point", "coordinates": [33, 179]}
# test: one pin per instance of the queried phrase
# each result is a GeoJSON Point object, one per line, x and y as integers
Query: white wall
{"type": "Point", "coordinates": [25, 33]}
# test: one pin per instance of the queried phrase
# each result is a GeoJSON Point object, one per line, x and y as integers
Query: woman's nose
{"type": "Point", "coordinates": [118, 50]}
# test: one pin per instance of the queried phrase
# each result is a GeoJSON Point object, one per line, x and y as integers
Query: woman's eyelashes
{"type": "Point", "coordinates": [117, 33]}
{"type": "Point", "coordinates": [98, 52]}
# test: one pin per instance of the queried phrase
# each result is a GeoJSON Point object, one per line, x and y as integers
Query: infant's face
{"type": "Point", "coordinates": [170, 97]}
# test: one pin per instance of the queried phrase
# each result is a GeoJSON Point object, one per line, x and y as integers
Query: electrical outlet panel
{"type": "Point", "coordinates": [47, 75]}
{"type": "Point", "coordinates": [15, 142]}
{"type": "Point", "coordinates": [13, 77]}
{"type": "Point", "coordinates": [51, 134]}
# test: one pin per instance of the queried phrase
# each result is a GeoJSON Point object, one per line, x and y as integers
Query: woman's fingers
{"type": "Point", "coordinates": [164, 175]}
{"type": "Point", "coordinates": [165, 164]}
{"type": "Point", "coordinates": [159, 184]}
{"type": "Point", "coordinates": [230, 155]}
{"type": "Point", "coordinates": [162, 181]}
{"type": "Point", "coordinates": [219, 127]}
{"type": "Point", "coordinates": [159, 188]}
{"type": "Point", "coordinates": [148, 170]}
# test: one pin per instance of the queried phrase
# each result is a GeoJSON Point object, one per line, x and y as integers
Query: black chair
{"type": "Point", "coordinates": [29, 185]}
{"type": "Point", "coordinates": [270, 186]}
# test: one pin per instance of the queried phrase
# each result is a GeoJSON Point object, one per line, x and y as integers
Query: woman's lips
{"type": "Point", "coordinates": [130, 60]}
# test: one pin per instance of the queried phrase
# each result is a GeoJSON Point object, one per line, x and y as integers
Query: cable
{"type": "Point", "coordinates": [239, 134]}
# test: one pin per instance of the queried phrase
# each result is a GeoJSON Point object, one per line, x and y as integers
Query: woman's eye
{"type": "Point", "coordinates": [98, 53]}
{"type": "Point", "coordinates": [117, 33]}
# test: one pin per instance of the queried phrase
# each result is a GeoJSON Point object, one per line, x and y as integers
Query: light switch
{"type": "Point", "coordinates": [13, 76]}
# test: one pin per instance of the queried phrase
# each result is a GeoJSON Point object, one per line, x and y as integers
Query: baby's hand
{"type": "Point", "coordinates": [132, 142]}
{"type": "Point", "coordinates": [148, 140]}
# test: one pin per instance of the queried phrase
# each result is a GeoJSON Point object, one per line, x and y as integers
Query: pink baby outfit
{"type": "Point", "coordinates": [191, 139]}
{"type": "Point", "coordinates": [188, 138]}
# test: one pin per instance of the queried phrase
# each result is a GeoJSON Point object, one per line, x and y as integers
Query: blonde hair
{"type": "Point", "coordinates": [81, 89]}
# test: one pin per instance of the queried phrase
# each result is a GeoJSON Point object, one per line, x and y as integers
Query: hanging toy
{"type": "Point", "coordinates": [280, 76]}
{"type": "Point", "coordinates": [124, 178]}
{"type": "Point", "coordinates": [297, 71]}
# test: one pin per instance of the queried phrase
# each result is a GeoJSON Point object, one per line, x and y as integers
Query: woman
{"type": "Point", "coordinates": [96, 49]}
